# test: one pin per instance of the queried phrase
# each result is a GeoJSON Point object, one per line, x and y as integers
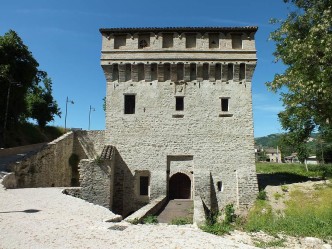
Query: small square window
{"type": "Point", "coordinates": [224, 104]}
{"type": "Point", "coordinates": [179, 104]}
{"type": "Point", "coordinates": [219, 186]}
{"type": "Point", "coordinates": [129, 104]}
{"type": "Point", "coordinates": [144, 185]}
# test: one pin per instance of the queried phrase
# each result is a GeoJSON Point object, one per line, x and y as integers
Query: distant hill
{"type": "Point", "coordinates": [268, 141]}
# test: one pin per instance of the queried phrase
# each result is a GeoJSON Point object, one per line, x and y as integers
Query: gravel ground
{"type": "Point", "coordinates": [46, 218]}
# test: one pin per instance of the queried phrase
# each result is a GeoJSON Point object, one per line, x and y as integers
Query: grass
{"type": "Point", "coordinates": [271, 243]}
{"type": "Point", "coordinates": [306, 214]}
{"type": "Point", "coordinates": [320, 171]}
{"type": "Point", "coordinates": [27, 133]}
{"type": "Point", "coordinates": [181, 221]}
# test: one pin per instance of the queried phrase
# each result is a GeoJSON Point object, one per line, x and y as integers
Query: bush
{"type": "Point", "coordinates": [150, 219]}
{"type": "Point", "coordinates": [229, 214]}
{"type": "Point", "coordinates": [262, 195]}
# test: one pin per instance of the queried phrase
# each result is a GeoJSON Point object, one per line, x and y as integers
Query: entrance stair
{"type": "Point", "coordinates": [177, 208]}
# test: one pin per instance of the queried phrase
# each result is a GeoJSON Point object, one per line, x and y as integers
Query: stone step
{"type": "Point", "coordinates": [177, 208]}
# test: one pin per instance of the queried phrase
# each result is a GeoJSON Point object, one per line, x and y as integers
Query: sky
{"type": "Point", "coordinates": [64, 37]}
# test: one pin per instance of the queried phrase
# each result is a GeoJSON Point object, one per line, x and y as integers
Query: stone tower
{"type": "Point", "coordinates": [179, 113]}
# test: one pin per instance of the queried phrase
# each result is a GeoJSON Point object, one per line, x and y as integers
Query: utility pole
{"type": "Point", "coordinates": [7, 106]}
{"type": "Point", "coordinates": [67, 101]}
{"type": "Point", "coordinates": [91, 109]}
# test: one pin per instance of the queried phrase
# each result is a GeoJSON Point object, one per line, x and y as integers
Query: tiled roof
{"type": "Point", "coordinates": [179, 29]}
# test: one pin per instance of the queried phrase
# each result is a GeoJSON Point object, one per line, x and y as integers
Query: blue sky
{"type": "Point", "coordinates": [63, 36]}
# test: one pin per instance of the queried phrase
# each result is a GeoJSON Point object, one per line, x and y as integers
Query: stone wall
{"type": "Point", "coordinates": [96, 181]}
{"type": "Point", "coordinates": [56, 164]}
{"type": "Point", "coordinates": [217, 138]}
{"type": "Point", "coordinates": [47, 167]}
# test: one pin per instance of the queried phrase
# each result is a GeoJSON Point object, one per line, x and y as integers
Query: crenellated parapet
{"type": "Point", "coordinates": [215, 54]}
{"type": "Point", "coordinates": [179, 71]}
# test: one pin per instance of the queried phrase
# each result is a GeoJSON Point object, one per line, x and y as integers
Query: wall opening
{"type": "Point", "coordinates": [128, 72]}
{"type": "Point", "coordinates": [192, 71]}
{"type": "Point", "coordinates": [168, 40]}
{"type": "Point", "coordinates": [144, 185]}
{"type": "Point", "coordinates": [219, 186]}
{"type": "Point", "coordinates": [179, 103]}
{"type": "Point", "coordinates": [218, 71]}
{"type": "Point", "coordinates": [242, 71]}
{"type": "Point", "coordinates": [205, 71]}
{"type": "Point", "coordinates": [179, 187]}
{"type": "Point", "coordinates": [115, 73]}
{"type": "Point", "coordinates": [154, 71]}
{"type": "Point", "coordinates": [213, 40]}
{"type": "Point", "coordinates": [237, 41]}
{"type": "Point", "coordinates": [119, 41]}
{"type": "Point", "coordinates": [180, 71]}
{"type": "Point", "coordinates": [140, 72]}
{"type": "Point", "coordinates": [144, 41]}
{"type": "Point", "coordinates": [190, 40]}
{"type": "Point", "coordinates": [129, 104]}
{"type": "Point", "coordinates": [224, 104]}
{"type": "Point", "coordinates": [230, 70]}
{"type": "Point", "coordinates": [167, 71]}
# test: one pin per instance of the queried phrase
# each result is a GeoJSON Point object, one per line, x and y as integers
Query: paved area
{"type": "Point", "coordinates": [45, 218]}
{"type": "Point", "coordinates": [177, 208]}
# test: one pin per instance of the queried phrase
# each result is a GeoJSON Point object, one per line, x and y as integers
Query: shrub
{"type": "Point", "coordinates": [229, 214]}
{"type": "Point", "coordinates": [262, 195]}
{"type": "Point", "coordinates": [150, 219]}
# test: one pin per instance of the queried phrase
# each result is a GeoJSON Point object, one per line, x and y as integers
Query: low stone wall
{"type": "Point", "coordinates": [48, 167]}
{"type": "Point", "coordinates": [56, 163]}
{"type": "Point", "coordinates": [96, 181]}
{"type": "Point", "coordinates": [150, 209]}
{"type": "Point", "coordinates": [199, 213]}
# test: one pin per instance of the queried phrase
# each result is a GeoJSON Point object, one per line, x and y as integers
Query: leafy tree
{"type": "Point", "coordinates": [19, 80]}
{"type": "Point", "coordinates": [18, 71]}
{"type": "Point", "coordinates": [41, 105]}
{"type": "Point", "coordinates": [304, 44]}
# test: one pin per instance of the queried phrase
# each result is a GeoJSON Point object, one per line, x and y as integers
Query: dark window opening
{"type": "Point", "coordinates": [242, 71]}
{"type": "Point", "coordinates": [230, 72]}
{"type": "Point", "coordinates": [144, 185]}
{"type": "Point", "coordinates": [224, 105]}
{"type": "Point", "coordinates": [219, 185]}
{"type": "Point", "coordinates": [179, 105]}
{"type": "Point", "coordinates": [129, 104]}
{"type": "Point", "coordinates": [205, 71]}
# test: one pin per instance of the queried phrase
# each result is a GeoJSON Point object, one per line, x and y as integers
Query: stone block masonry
{"type": "Point", "coordinates": [179, 113]}
{"type": "Point", "coordinates": [51, 165]}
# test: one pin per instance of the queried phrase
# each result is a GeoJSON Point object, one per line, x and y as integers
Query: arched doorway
{"type": "Point", "coordinates": [179, 186]}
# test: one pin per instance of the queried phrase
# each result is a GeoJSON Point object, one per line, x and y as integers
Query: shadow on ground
{"type": "Point", "coordinates": [277, 179]}
{"type": "Point", "coordinates": [28, 211]}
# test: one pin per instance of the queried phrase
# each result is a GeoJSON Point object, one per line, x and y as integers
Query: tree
{"type": "Point", "coordinates": [41, 105]}
{"type": "Point", "coordinates": [18, 70]}
{"type": "Point", "coordinates": [20, 77]}
{"type": "Point", "coordinates": [304, 44]}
